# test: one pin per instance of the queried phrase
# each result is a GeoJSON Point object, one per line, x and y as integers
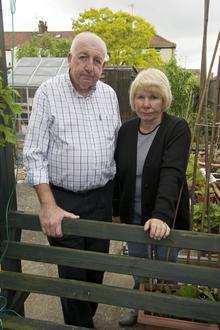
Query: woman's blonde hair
{"type": "Point", "coordinates": [151, 79]}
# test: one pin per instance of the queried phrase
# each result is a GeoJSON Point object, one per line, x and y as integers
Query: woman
{"type": "Point", "coordinates": [151, 157]}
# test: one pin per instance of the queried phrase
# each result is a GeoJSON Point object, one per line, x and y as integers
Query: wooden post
{"type": "Point", "coordinates": [205, 114]}
{"type": "Point", "coordinates": [203, 73]}
{"type": "Point", "coordinates": [203, 68]}
{"type": "Point", "coordinates": [7, 182]}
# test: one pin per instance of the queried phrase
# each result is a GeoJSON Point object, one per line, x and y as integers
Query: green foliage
{"type": "Point", "coordinates": [44, 46]}
{"type": "Point", "coordinates": [214, 209]}
{"type": "Point", "coordinates": [197, 291]}
{"type": "Point", "coordinates": [187, 290]}
{"type": "Point", "coordinates": [185, 90]}
{"type": "Point", "coordinates": [7, 117]}
{"type": "Point", "coordinates": [214, 217]}
{"type": "Point", "coordinates": [200, 180]}
{"type": "Point", "coordinates": [127, 37]}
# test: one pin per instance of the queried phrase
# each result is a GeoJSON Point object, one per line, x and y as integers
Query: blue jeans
{"type": "Point", "coordinates": [150, 251]}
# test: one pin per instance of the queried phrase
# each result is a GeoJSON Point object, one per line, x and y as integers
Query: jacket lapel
{"type": "Point", "coordinates": [133, 146]}
{"type": "Point", "coordinates": [157, 138]}
{"type": "Point", "coordinates": [133, 136]}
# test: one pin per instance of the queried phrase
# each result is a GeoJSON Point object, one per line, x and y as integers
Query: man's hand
{"type": "Point", "coordinates": [51, 217]}
{"type": "Point", "coordinates": [50, 214]}
{"type": "Point", "coordinates": [158, 229]}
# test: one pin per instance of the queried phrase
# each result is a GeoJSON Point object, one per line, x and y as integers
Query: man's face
{"type": "Point", "coordinates": [86, 65]}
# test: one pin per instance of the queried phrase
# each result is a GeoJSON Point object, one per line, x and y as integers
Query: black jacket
{"type": "Point", "coordinates": [163, 172]}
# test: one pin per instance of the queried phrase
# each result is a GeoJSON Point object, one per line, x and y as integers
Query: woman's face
{"type": "Point", "coordinates": [148, 106]}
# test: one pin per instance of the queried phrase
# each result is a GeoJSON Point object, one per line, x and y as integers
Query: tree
{"type": "Point", "coordinates": [185, 90]}
{"type": "Point", "coordinates": [44, 46]}
{"type": "Point", "coordinates": [127, 36]}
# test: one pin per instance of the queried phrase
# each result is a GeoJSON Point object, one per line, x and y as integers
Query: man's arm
{"type": "Point", "coordinates": [36, 162]}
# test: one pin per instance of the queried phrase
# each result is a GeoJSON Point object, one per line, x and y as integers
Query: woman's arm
{"type": "Point", "coordinates": [172, 172]}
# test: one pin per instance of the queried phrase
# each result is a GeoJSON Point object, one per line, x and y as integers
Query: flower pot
{"type": "Point", "coordinates": [163, 322]}
{"type": "Point", "coordinates": [216, 187]}
{"type": "Point", "coordinates": [172, 323]}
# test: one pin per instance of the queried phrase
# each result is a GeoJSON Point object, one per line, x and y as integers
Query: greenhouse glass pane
{"type": "Point", "coordinates": [19, 80]}
{"type": "Point", "coordinates": [51, 62]}
{"type": "Point", "coordinates": [37, 80]}
{"type": "Point", "coordinates": [32, 71]}
{"type": "Point", "coordinates": [29, 61]}
{"type": "Point", "coordinates": [46, 71]}
{"type": "Point", "coordinates": [63, 70]}
{"type": "Point", "coordinates": [22, 70]}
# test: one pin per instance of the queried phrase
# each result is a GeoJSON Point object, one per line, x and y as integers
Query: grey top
{"type": "Point", "coordinates": [143, 145]}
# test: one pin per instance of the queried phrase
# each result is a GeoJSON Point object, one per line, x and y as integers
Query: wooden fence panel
{"type": "Point", "coordinates": [150, 301]}
{"type": "Point", "coordinates": [120, 78]}
{"type": "Point", "coordinates": [182, 307]}
{"type": "Point", "coordinates": [117, 264]}
{"type": "Point", "coordinates": [122, 232]}
{"type": "Point", "coordinates": [19, 323]}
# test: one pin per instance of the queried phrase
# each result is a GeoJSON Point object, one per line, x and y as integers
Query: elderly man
{"type": "Point", "coordinates": [69, 155]}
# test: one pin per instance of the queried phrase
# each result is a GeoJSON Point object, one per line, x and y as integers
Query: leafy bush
{"type": "Point", "coordinates": [8, 111]}
{"type": "Point", "coordinates": [197, 291]}
{"type": "Point", "coordinates": [214, 217]}
{"type": "Point", "coordinates": [44, 46]}
{"type": "Point", "coordinates": [200, 180]}
{"type": "Point", "coordinates": [185, 90]}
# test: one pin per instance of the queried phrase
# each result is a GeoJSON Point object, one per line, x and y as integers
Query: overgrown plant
{"type": "Point", "coordinates": [185, 90]}
{"type": "Point", "coordinates": [197, 291]}
{"type": "Point", "coordinates": [44, 46]}
{"type": "Point", "coordinates": [214, 217]}
{"type": "Point", "coordinates": [188, 290]}
{"type": "Point", "coordinates": [214, 209]}
{"type": "Point", "coordinates": [8, 112]}
{"type": "Point", "coordinates": [200, 180]}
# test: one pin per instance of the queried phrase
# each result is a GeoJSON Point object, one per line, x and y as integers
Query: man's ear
{"type": "Point", "coordinates": [103, 65]}
{"type": "Point", "coordinates": [69, 58]}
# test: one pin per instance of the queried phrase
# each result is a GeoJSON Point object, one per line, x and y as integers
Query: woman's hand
{"type": "Point", "coordinates": [158, 229]}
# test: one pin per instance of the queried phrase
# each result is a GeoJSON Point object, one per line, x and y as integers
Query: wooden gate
{"type": "Point", "coordinates": [23, 284]}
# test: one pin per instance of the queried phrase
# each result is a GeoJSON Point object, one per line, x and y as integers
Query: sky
{"type": "Point", "coordinates": [180, 21]}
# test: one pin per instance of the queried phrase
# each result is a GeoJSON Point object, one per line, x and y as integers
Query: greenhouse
{"type": "Point", "coordinates": [28, 74]}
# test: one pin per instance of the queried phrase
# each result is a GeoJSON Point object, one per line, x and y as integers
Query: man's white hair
{"type": "Point", "coordinates": [89, 35]}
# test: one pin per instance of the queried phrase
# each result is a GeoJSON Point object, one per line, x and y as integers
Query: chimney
{"type": "Point", "coordinates": [42, 27]}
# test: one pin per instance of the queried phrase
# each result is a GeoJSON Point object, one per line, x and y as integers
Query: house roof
{"type": "Point", "coordinates": [160, 42]}
{"type": "Point", "coordinates": [21, 37]}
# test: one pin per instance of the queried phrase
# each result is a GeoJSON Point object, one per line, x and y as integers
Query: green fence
{"type": "Point", "coordinates": [23, 284]}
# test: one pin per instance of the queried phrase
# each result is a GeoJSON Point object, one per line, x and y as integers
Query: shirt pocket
{"type": "Point", "coordinates": [109, 125]}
